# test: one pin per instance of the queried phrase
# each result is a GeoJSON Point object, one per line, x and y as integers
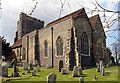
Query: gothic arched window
{"type": "Point", "coordinates": [84, 44]}
{"type": "Point", "coordinates": [59, 46]}
{"type": "Point", "coordinates": [45, 48]}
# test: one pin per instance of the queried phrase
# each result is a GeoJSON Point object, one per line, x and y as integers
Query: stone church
{"type": "Point", "coordinates": [69, 41]}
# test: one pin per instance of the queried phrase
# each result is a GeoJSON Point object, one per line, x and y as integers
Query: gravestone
{"type": "Point", "coordinates": [34, 73]}
{"type": "Point", "coordinates": [38, 68]}
{"type": "Point", "coordinates": [102, 71]}
{"type": "Point", "coordinates": [80, 70]}
{"type": "Point", "coordinates": [63, 71]}
{"type": "Point", "coordinates": [81, 80]}
{"type": "Point", "coordinates": [98, 68]}
{"type": "Point", "coordinates": [75, 71]}
{"type": "Point", "coordinates": [31, 66]}
{"type": "Point", "coordinates": [48, 66]}
{"type": "Point", "coordinates": [4, 71]}
{"type": "Point", "coordinates": [15, 73]}
{"type": "Point", "coordinates": [25, 65]}
{"type": "Point", "coordinates": [51, 78]}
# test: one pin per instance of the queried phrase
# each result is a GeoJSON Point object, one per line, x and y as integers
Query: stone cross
{"type": "Point", "coordinates": [81, 80]}
{"type": "Point", "coordinates": [51, 78]}
{"type": "Point", "coordinates": [75, 71]}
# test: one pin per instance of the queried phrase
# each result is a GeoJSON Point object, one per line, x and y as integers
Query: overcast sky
{"type": "Point", "coordinates": [46, 10]}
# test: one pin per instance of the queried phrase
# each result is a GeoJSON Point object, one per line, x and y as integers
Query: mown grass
{"type": "Point", "coordinates": [111, 74]}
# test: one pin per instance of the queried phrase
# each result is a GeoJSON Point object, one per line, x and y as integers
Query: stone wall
{"type": "Point", "coordinates": [59, 29]}
{"type": "Point", "coordinates": [82, 25]}
{"type": "Point", "coordinates": [28, 47]}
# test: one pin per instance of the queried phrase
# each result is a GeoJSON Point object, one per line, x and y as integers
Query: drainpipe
{"type": "Point", "coordinates": [52, 47]}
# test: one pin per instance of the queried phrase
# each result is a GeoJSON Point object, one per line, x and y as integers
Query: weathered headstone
{"type": "Point", "coordinates": [75, 71]}
{"type": "Point", "coordinates": [63, 71]}
{"type": "Point", "coordinates": [48, 66]}
{"type": "Point", "coordinates": [31, 66]}
{"type": "Point", "coordinates": [81, 80]}
{"type": "Point", "coordinates": [5, 71]}
{"type": "Point", "coordinates": [98, 68]}
{"type": "Point", "coordinates": [51, 78]}
{"type": "Point", "coordinates": [34, 73]}
{"type": "Point", "coordinates": [80, 70]}
{"type": "Point", "coordinates": [38, 68]}
{"type": "Point", "coordinates": [102, 71]}
{"type": "Point", "coordinates": [25, 65]}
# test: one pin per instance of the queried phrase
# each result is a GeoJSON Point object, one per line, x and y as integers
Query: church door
{"type": "Point", "coordinates": [60, 65]}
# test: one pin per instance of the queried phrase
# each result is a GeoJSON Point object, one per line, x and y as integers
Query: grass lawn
{"type": "Point", "coordinates": [111, 74]}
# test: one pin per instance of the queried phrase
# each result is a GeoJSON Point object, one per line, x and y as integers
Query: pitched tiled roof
{"type": "Point", "coordinates": [18, 43]}
{"type": "Point", "coordinates": [72, 15]}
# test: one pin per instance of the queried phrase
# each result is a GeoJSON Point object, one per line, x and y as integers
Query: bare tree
{"type": "Point", "coordinates": [116, 52]}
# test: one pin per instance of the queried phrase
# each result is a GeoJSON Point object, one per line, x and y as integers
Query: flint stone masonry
{"type": "Point", "coordinates": [62, 28]}
{"type": "Point", "coordinates": [51, 78]}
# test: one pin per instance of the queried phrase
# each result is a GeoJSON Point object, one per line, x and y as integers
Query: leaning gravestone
{"type": "Point", "coordinates": [51, 78]}
{"type": "Point", "coordinates": [34, 73]}
{"type": "Point", "coordinates": [75, 71]}
{"type": "Point", "coordinates": [25, 65]}
{"type": "Point", "coordinates": [5, 71]}
{"type": "Point", "coordinates": [31, 66]}
{"type": "Point", "coordinates": [38, 68]}
{"type": "Point", "coordinates": [63, 71]}
{"type": "Point", "coordinates": [81, 80]}
{"type": "Point", "coordinates": [80, 70]}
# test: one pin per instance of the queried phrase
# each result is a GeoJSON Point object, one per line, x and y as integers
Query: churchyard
{"type": "Point", "coordinates": [41, 74]}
